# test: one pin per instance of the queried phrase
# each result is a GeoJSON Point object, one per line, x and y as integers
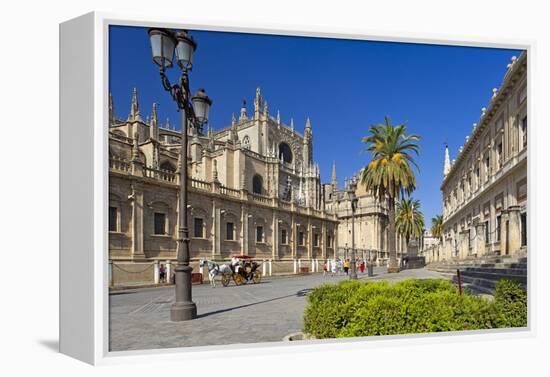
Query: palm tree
{"type": "Point", "coordinates": [389, 175]}
{"type": "Point", "coordinates": [409, 221]}
{"type": "Point", "coordinates": [437, 227]}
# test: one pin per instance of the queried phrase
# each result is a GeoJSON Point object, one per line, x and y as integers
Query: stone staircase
{"type": "Point", "coordinates": [480, 276]}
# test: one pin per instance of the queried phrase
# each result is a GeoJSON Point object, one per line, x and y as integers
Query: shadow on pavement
{"type": "Point", "coordinates": [300, 293]}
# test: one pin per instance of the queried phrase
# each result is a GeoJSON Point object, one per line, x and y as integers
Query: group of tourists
{"type": "Point", "coordinates": [337, 266]}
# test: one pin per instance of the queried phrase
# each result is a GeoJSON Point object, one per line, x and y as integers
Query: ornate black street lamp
{"type": "Point", "coordinates": [353, 199]}
{"type": "Point", "coordinates": [164, 43]}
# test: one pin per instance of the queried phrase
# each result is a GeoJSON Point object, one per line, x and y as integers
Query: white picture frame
{"type": "Point", "coordinates": [84, 192]}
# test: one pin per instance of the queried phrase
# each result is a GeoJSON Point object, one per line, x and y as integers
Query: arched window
{"type": "Point", "coordinates": [167, 165]}
{"type": "Point", "coordinates": [285, 152]}
{"type": "Point", "coordinates": [246, 142]}
{"type": "Point", "coordinates": [257, 183]}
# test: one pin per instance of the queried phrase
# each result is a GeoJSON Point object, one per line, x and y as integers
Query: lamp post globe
{"type": "Point", "coordinates": [163, 44]}
{"type": "Point", "coordinates": [201, 106]}
{"type": "Point", "coordinates": [185, 48]}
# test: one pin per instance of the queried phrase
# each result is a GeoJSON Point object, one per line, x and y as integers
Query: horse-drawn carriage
{"type": "Point", "coordinates": [242, 270]}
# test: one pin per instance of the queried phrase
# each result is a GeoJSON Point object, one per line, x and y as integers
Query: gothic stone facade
{"type": "Point", "coordinates": [254, 190]}
{"type": "Point", "coordinates": [485, 188]}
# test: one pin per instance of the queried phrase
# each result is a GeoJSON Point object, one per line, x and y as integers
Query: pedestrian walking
{"type": "Point", "coordinates": [346, 266]}
{"type": "Point", "coordinates": [325, 268]}
{"type": "Point", "coordinates": [162, 273]}
{"type": "Point", "coordinates": [362, 266]}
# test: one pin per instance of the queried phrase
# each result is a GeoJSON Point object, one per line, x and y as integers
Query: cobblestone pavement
{"type": "Point", "coordinates": [140, 318]}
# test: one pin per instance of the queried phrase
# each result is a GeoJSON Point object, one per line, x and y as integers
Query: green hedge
{"type": "Point", "coordinates": [354, 308]}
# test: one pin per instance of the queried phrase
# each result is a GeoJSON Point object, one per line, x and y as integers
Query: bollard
{"type": "Point", "coordinates": [459, 280]}
{"type": "Point", "coordinates": [156, 277]}
{"type": "Point", "coordinates": [264, 269]}
{"type": "Point", "coordinates": [110, 273]}
{"type": "Point", "coordinates": [168, 272]}
{"type": "Point", "coordinates": [270, 267]}
{"type": "Point", "coordinates": [370, 268]}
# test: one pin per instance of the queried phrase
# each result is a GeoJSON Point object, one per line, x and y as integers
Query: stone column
{"type": "Point", "coordinates": [480, 238]}
{"type": "Point", "coordinates": [275, 236]}
{"type": "Point", "coordinates": [244, 229]}
{"type": "Point", "coordinates": [514, 229]}
{"type": "Point", "coordinates": [324, 240]}
{"type": "Point", "coordinates": [309, 239]}
{"type": "Point", "coordinates": [137, 222]}
{"type": "Point", "coordinates": [216, 230]}
{"type": "Point", "coordinates": [464, 244]}
{"type": "Point", "coordinates": [293, 235]}
{"type": "Point", "coordinates": [504, 225]}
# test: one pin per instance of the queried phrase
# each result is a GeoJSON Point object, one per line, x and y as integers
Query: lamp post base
{"type": "Point", "coordinates": [183, 311]}
{"type": "Point", "coordinates": [393, 267]}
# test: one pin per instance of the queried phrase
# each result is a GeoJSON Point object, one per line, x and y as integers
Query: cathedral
{"type": "Point", "coordinates": [254, 189]}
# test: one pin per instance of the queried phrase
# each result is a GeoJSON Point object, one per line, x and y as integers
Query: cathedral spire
{"type": "Point", "coordinates": [278, 119]}
{"type": "Point", "coordinates": [292, 124]}
{"type": "Point", "coordinates": [154, 123]}
{"type": "Point", "coordinates": [243, 115]}
{"type": "Point", "coordinates": [233, 135]}
{"type": "Point", "coordinates": [112, 118]}
{"type": "Point", "coordinates": [447, 163]}
{"type": "Point", "coordinates": [334, 178]}
{"type": "Point", "coordinates": [257, 103]}
{"type": "Point", "coordinates": [167, 125]}
{"type": "Point", "coordinates": [134, 108]}
{"type": "Point", "coordinates": [308, 125]}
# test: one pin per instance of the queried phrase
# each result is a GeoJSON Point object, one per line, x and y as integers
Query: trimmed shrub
{"type": "Point", "coordinates": [511, 304]}
{"type": "Point", "coordinates": [353, 308]}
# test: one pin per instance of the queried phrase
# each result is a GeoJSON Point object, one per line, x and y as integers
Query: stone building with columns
{"type": "Point", "coordinates": [485, 187]}
{"type": "Point", "coordinates": [370, 218]}
{"type": "Point", "coordinates": [254, 189]}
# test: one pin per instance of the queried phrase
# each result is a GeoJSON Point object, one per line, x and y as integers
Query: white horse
{"type": "Point", "coordinates": [336, 267]}
{"type": "Point", "coordinates": [213, 270]}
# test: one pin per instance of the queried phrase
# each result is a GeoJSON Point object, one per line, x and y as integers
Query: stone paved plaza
{"type": "Point", "coordinates": [265, 312]}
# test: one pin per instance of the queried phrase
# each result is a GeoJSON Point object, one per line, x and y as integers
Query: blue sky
{"type": "Point", "coordinates": [342, 85]}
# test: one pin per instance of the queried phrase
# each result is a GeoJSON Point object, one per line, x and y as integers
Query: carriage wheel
{"type": "Point", "coordinates": [239, 280]}
{"type": "Point", "coordinates": [226, 278]}
{"type": "Point", "coordinates": [257, 277]}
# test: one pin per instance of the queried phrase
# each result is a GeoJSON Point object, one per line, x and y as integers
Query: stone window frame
{"type": "Point", "coordinates": [498, 226]}
{"type": "Point", "coordinates": [165, 218]}
{"type": "Point", "coordinates": [524, 128]}
{"type": "Point", "coordinates": [233, 231]}
{"type": "Point", "coordinates": [257, 183]}
{"type": "Point", "coordinates": [260, 231]}
{"type": "Point", "coordinates": [519, 185]}
{"type": "Point", "coordinates": [116, 202]}
{"type": "Point", "coordinates": [523, 226]}
{"type": "Point", "coordinates": [316, 239]}
{"type": "Point", "coordinates": [230, 217]}
{"type": "Point", "coordinates": [284, 156]}
{"type": "Point", "coordinates": [301, 237]}
{"type": "Point", "coordinates": [203, 227]}
{"type": "Point", "coordinates": [200, 213]}
{"type": "Point", "coordinates": [167, 165]}
{"type": "Point", "coordinates": [160, 207]}
{"type": "Point", "coordinates": [117, 219]}
{"type": "Point", "coordinates": [284, 240]}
